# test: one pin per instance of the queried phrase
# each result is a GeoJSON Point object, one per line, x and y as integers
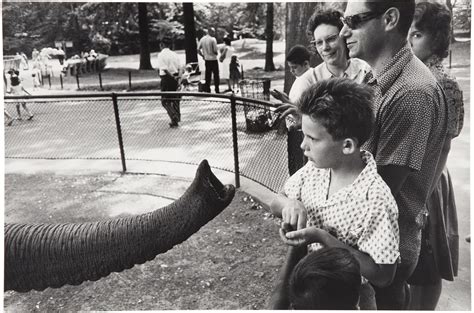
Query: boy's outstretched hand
{"type": "Point", "coordinates": [294, 213]}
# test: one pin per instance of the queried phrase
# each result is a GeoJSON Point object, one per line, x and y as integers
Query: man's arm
{"type": "Point", "coordinates": [394, 176]}
{"type": "Point", "coordinates": [378, 274]}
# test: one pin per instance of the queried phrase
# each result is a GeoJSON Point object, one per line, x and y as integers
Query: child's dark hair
{"type": "Point", "coordinates": [298, 55]}
{"type": "Point", "coordinates": [326, 279]}
{"type": "Point", "coordinates": [342, 106]}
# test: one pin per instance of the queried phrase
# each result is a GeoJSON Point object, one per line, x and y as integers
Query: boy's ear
{"type": "Point", "coordinates": [349, 146]}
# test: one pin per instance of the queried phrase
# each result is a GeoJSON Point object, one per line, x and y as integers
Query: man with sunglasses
{"type": "Point", "coordinates": [410, 125]}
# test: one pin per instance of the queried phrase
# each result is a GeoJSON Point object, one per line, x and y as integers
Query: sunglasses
{"type": "Point", "coordinates": [355, 21]}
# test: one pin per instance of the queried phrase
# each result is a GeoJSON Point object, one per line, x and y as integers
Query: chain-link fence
{"type": "Point", "coordinates": [235, 134]}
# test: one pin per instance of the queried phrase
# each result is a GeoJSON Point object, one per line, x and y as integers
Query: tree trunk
{"type": "Point", "coordinates": [145, 63]}
{"type": "Point", "coordinates": [450, 6]}
{"type": "Point", "coordinates": [190, 44]}
{"type": "Point", "coordinates": [297, 17]}
{"type": "Point", "coordinates": [269, 65]}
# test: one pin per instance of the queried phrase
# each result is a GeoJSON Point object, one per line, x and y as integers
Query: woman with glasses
{"type": "Point", "coordinates": [324, 27]}
{"type": "Point", "coordinates": [429, 37]}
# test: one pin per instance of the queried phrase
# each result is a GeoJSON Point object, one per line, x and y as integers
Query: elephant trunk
{"type": "Point", "coordinates": [38, 256]}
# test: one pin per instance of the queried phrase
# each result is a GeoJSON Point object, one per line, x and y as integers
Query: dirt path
{"type": "Point", "coordinates": [231, 263]}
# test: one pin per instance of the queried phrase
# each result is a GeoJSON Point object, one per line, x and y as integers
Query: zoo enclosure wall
{"type": "Point", "coordinates": [233, 133]}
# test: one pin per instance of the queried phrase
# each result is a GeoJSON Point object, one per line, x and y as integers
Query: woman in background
{"type": "Point", "coordinates": [226, 54]}
{"type": "Point", "coordinates": [429, 36]}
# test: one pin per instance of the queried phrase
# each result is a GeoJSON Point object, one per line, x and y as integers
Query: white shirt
{"type": "Point", "coordinates": [299, 85]}
{"type": "Point", "coordinates": [357, 70]}
{"type": "Point", "coordinates": [168, 60]}
{"type": "Point", "coordinates": [363, 215]}
{"type": "Point", "coordinates": [208, 45]}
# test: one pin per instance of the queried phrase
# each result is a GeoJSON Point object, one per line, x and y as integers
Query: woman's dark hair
{"type": "Point", "coordinates": [326, 279]}
{"type": "Point", "coordinates": [342, 106]}
{"type": "Point", "coordinates": [227, 41]}
{"type": "Point", "coordinates": [328, 16]}
{"type": "Point", "coordinates": [435, 19]}
{"type": "Point", "coordinates": [405, 7]}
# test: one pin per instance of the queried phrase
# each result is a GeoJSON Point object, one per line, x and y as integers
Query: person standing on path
{"type": "Point", "coordinates": [430, 36]}
{"type": "Point", "coordinates": [169, 66]}
{"type": "Point", "coordinates": [17, 89]}
{"type": "Point", "coordinates": [410, 123]}
{"type": "Point", "coordinates": [226, 54]}
{"type": "Point", "coordinates": [207, 48]}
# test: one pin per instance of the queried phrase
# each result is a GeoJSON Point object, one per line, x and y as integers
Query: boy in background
{"type": "Point", "coordinates": [298, 61]}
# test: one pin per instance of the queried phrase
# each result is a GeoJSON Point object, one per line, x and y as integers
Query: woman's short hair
{"type": "Point", "coordinates": [298, 55]}
{"type": "Point", "coordinates": [342, 106]}
{"type": "Point", "coordinates": [326, 279]}
{"type": "Point", "coordinates": [435, 19]}
{"type": "Point", "coordinates": [327, 16]}
{"type": "Point", "coordinates": [227, 41]}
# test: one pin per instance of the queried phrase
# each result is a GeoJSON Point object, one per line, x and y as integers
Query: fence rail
{"type": "Point", "coordinates": [234, 133]}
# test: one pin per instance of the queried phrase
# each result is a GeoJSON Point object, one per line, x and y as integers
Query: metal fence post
{"type": "Point", "coordinates": [234, 140]}
{"type": "Point", "coordinates": [61, 80]}
{"type": "Point", "coordinates": [119, 131]}
{"type": "Point", "coordinates": [100, 81]}
{"type": "Point", "coordinates": [77, 80]}
{"type": "Point", "coordinates": [130, 80]}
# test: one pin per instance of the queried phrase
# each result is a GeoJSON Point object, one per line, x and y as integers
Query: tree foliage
{"type": "Point", "coordinates": [115, 25]}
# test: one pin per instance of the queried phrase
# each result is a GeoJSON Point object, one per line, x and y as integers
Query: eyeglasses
{"type": "Point", "coordinates": [354, 21]}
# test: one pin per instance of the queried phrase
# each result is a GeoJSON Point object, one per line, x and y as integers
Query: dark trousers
{"type": "Point", "coordinates": [296, 158]}
{"type": "Point", "coordinates": [212, 67]}
{"type": "Point", "coordinates": [170, 103]}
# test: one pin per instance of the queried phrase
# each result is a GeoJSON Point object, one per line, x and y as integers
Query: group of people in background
{"type": "Point", "coordinates": [174, 76]}
{"type": "Point", "coordinates": [370, 129]}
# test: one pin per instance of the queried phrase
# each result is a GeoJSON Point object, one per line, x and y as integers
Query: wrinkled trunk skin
{"type": "Point", "coordinates": [38, 256]}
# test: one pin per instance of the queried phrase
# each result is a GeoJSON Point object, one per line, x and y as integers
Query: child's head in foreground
{"type": "Point", "coordinates": [337, 119]}
{"type": "Point", "coordinates": [326, 279]}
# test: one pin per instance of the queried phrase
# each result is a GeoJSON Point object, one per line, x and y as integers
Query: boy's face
{"type": "Point", "coordinates": [298, 69]}
{"type": "Point", "coordinates": [318, 145]}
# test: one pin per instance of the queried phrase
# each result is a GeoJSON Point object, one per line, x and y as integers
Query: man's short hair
{"type": "Point", "coordinates": [405, 7]}
{"type": "Point", "coordinates": [326, 279]}
{"type": "Point", "coordinates": [435, 19]}
{"type": "Point", "coordinates": [343, 106]}
{"type": "Point", "coordinates": [327, 16]}
{"type": "Point", "coordinates": [298, 55]}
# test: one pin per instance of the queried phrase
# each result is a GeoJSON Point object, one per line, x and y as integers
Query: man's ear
{"type": "Point", "coordinates": [391, 19]}
{"type": "Point", "coordinates": [349, 146]}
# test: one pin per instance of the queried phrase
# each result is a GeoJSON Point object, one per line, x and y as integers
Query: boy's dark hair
{"type": "Point", "coordinates": [327, 16]}
{"type": "Point", "coordinates": [405, 7]}
{"type": "Point", "coordinates": [298, 55]}
{"type": "Point", "coordinates": [326, 279]}
{"type": "Point", "coordinates": [435, 19]}
{"type": "Point", "coordinates": [343, 106]}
